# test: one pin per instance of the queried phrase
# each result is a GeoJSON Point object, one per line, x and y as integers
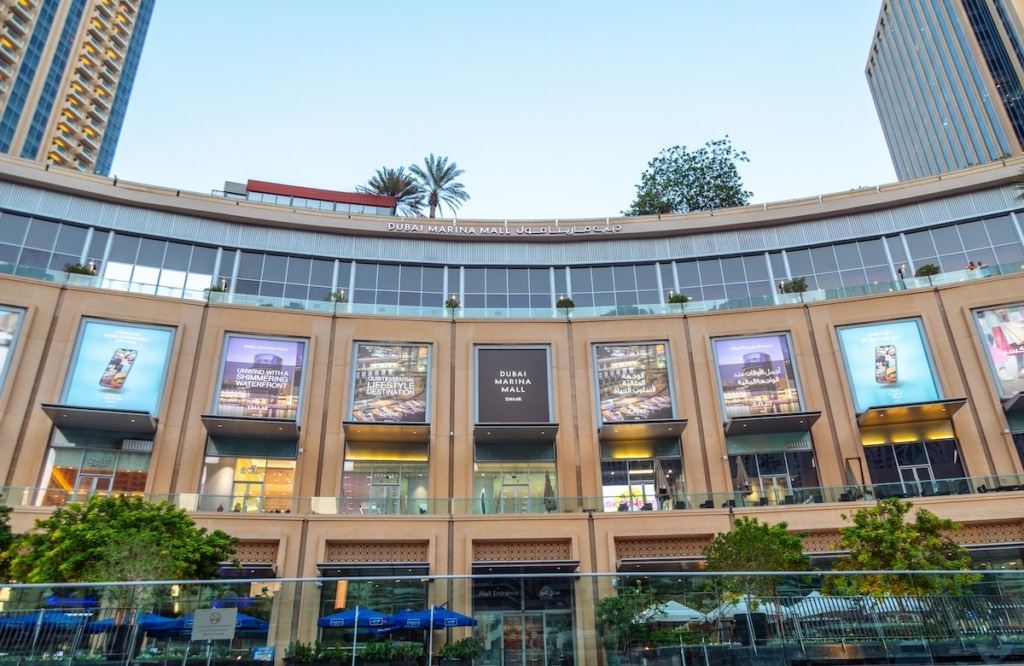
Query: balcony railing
{"type": "Point", "coordinates": [440, 312]}
{"type": "Point", "coordinates": [485, 504]}
{"type": "Point", "coordinates": [693, 618]}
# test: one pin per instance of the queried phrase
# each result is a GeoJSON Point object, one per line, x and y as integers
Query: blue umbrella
{"type": "Point", "coordinates": [437, 616]}
{"type": "Point", "coordinates": [361, 617]}
{"type": "Point", "coordinates": [56, 601]}
{"type": "Point", "coordinates": [146, 621]}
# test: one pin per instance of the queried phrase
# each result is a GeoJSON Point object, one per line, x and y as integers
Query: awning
{"type": "Point", "coordinates": [526, 567]}
{"type": "Point", "coordinates": [657, 564]}
{"type": "Point", "coordinates": [761, 424]}
{"type": "Point", "coordinates": [371, 569]}
{"type": "Point", "coordinates": [1014, 404]}
{"type": "Point", "coordinates": [227, 570]}
{"type": "Point", "coordinates": [515, 432]}
{"type": "Point", "coordinates": [387, 433]}
{"type": "Point", "coordinates": [641, 430]}
{"type": "Point", "coordinates": [93, 418]}
{"type": "Point", "coordinates": [914, 412]}
{"type": "Point", "coordinates": [241, 427]}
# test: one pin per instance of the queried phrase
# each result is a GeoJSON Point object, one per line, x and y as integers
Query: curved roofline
{"type": "Point", "coordinates": [860, 200]}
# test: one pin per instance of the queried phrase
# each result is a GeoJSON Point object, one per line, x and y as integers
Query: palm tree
{"type": "Point", "coordinates": [438, 183]}
{"type": "Point", "coordinates": [398, 184]}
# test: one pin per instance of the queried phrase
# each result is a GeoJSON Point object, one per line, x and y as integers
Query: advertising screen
{"type": "Point", "coordinates": [261, 377]}
{"type": "Point", "coordinates": [1002, 335]}
{"type": "Point", "coordinates": [390, 383]}
{"type": "Point", "coordinates": [119, 366]}
{"type": "Point", "coordinates": [10, 324]}
{"type": "Point", "coordinates": [512, 385]}
{"type": "Point", "coordinates": [633, 382]}
{"type": "Point", "coordinates": [888, 364]}
{"type": "Point", "coordinates": [756, 375]}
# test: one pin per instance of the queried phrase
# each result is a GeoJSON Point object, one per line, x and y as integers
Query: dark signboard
{"type": "Point", "coordinates": [512, 385]}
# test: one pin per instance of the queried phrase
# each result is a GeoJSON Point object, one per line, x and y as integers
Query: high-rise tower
{"type": "Point", "coordinates": [66, 73]}
{"type": "Point", "coordinates": [946, 77]}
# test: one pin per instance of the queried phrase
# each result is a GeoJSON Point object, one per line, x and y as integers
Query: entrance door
{"type": "Point", "coordinates": [92, 484]}
{"type": "Point", "coordinates": [246, 496]}
{"type": "Point", "coordinates": [536, 639]}
{"type": "Point", "coordinates": [917, 480]}
{"type": "Point", "coordinates": [385, 499]}
{"type": "Point", "coordinates": [514, 498]}
{"type": "Point", "coordinates": [775, 488]}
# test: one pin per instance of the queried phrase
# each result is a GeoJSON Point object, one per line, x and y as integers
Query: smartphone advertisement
{"type": "Point", "coordinates": [756, 375]}
{"type": "Point", "coordinates": [10, 327]}
{"type": "Point", "coordinates": [633, 382]}
{"type": "Point", "coordinates": [1002, 335]}
{"type": "Point", "coordinates": [261, 377]}
{"type": "Point", "coordinates": [512, 385]}
{"type": "Point", "coordinates": [119, 366]}
{"type": "Point", "coordinates": [888, 364]}
{"type": "Point", "coordinates": [390, 383]}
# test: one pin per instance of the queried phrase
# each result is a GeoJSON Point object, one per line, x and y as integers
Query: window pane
{"type": "Point", "coordinates": [519, 281]}
{"type": "Point", "coordinates": [366, 276]}
{"type": "Point", "coordinates": [540, 281]}
{"type": "Point", "coordinates": [625, 279]}
{"type": "Point", "coordinates": [151, 252]}
{"type": "Point", "coordinates": [799, 263]}
{"type": "Point", "coordinates": [203, 259]}
{"type": "Point", "coordinates": [13, 228]}
{"type": "Point", "coordinates": [98, 245]}
{"type": "Point", "coordinates": [824, 259]}
{"type": "Point", "coordinates": [497, 282]}
{"type": "Point", "coordinates": [947, 240]}
{"type": "Point", "coordinates": [872, 252]}
{"type": "Point", "coordinates": [298, 270]}
{"type": "Point", "coordinates": [580, 280]}
{"type": "Point", "coordinates": [895, 245]}
{"type": "Point", "coordinates": [646, 277]}
{"type": "Point", "coordinates": [410, 279]}
{"type": "Point", "coordinates": [847, 256]}
{"type": "Point", "coordinates": [732, 270]}
{"type": "Point", "coordinates": [274, 267]}
{"type": "Point", "coordinates": [177, 256]}
{"type": "Point", "coordinates": [688, 273]}
{"type": "Point", "coordinates": [755, 267]}
{"type": "Point", "coordinates": [920, 244]}
{"type": "Point", "coordinates": [603, 280]}
{"type": "Point", "coordinates": [124, 249]}
{"type": "Point", "coordinates": [433, 279]}
{"type": "Point", "coordinates": [973, 235]}
{"type": "Point", "coordinates": [42, 234]}
{"type": "Point", "coordinates": [251, 266]}
{"type": "Point", "coordinates": [1000, 230]}
{"type": "Point", "coordinates": [71, 240]}
{"type": "Point", "coordinates": [387, 277]}
{"type": "Point", "coordinates": [322, 272]}
{"type": "Point", "coordinates": [710, 271]}
{"type": "Point", "coordinates": [475, 281]}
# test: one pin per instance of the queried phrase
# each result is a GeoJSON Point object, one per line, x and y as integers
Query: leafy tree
{"type": "Point", "coordinates": [6, 539]}
{"type": "Point", "coordinates": [118, 539]}
{"type": "Point", "coordinates": [621, 619]}
{"type": "Point", "coordinates": [680, 181]}
{"type": "Point", "coordinates": [438, 181]}
{"type": "Point", "coordinates": [399, 184]}
{"type": "Point", "coordinates": [755, 546]}
{"type": "Point", "coordinates": [881, 539]}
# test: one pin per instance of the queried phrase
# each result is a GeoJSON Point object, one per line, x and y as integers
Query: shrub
{"type": "Point", "coordinates": [797, 285]}
{"type": "Point", "coordinates": [564, 302]}
{"type": "Point", "coordinates": [378, 651]}
{"type": "Point", "coordinates": [466, 648]}
{"type": "Point", "coordinates": [927, 270]}
{"type": "Point", "coordinates": [79, 269]}
{"type": "Point", "coordinates": [673, 297]}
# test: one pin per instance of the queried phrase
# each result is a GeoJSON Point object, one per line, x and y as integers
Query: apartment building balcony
{"type": "Point", "coordinates": [101, 102]}
{"type": "Point", "coordinates": [9, 50]}
{"type": "Point", "coordinates": [86, 69]}
{"type": "Point", "coordinates": [23, 9]}
{"type": "Point", "coordinates": [104, 11]}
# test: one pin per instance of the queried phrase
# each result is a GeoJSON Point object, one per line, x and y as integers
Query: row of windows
{"type": "Point", "coordinates": [318, 204]}
{"type": "Point", "coordinates": [148, 262]}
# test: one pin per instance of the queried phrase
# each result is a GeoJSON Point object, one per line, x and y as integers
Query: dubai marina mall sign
{"type": "Point", "coordinates": [504, 229]}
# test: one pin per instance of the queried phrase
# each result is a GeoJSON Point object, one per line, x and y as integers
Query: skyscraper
{"type": "Point", "coordinates": [66, 73]}
{"type": "Point", "coordinates": [946, 77]}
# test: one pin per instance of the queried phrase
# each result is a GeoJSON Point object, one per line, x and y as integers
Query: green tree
{"type": "Point", "coordinates": [117, 539]}
{"type": "Point", "coordinates": [437, 180]}
{"type": "Point", "coordinates": [401, 185]}
{"type": "Point", "coordinates": [755, 546]}
{"type": "Point", "coordinates": [621, 619]}
{"type": "Point", "coordinates": [680, 181]}
{"type": "Point", "coordinates": [881, 539]}
{"type": "Point", "coordinates": [6, 539]}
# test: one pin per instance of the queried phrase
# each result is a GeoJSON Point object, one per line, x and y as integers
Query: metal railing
{"type": "Point", "coordinates": [440, 312]}
{"type": "Point", "coordinates": [684, 618]}
{"type": "Point", "coordinates": [484, 504]}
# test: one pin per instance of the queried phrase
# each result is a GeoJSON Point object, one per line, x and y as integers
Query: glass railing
{"type": "Point", "coordinates": [486, 504]}
{"type": "Point", "coordinates": [440, 312]}
{"type": "Point", "coordinates": [655, 618]}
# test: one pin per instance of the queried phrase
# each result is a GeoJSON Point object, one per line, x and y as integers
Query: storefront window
{"type": "Point", "coordinates": [76, 474]}
{"type": "Point", "coordinates": [247, 485]}
{"type": "Point", "coordinates": [524, 621]}
{"type": "Point", "coordinates": [914, 469]}
{"type": "Point", "coordinates": [514, 487]}
{"type": "Point", "coordinates": [632, 485]}
{"type": "Point", "coordinates": [774, 478]}
{"type": "Point", "coordinates": [386, 487]}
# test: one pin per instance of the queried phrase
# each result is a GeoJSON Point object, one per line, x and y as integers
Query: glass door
{"type": "Point", "coordinates": [92, 484]}
{"type": "Point", "coordinates": [774, 488]}
{"type": "Point", "coordinates": [917, 480]}
{"type": "Point", "coordinates": [385, 498]}
{"type": "Point", "coordinates": [246, 496]}
{"type": "Point", "coordinates": [514, 498]}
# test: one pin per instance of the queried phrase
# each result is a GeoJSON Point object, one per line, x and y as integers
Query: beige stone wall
{"type": "Point", "coordinates": [451, 544]}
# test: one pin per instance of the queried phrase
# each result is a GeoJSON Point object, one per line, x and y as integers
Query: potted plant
{"type": "Point", "coordinates": [452, 303]}
{"type": "Point", "coordinates": [79, 269]}
{"type": "Point", "coordinates": [460, 652]}
{"type": "Point", "coordinates": [407, 654]}
{"type": "Point", "coordinates": [673, 297]}
{"type": "Point", "coordinates": [564, 303]}
{"type": "Point", "coordinates": [797, 285]}
{"type": "Point", "coordinates": [337, 297]}
{"type": "Point", "coordinates": [927, 270]}
{"type": "Point", "coordinates": [378, 653]}
{"type": "Point", "coordinates": [318, 654]}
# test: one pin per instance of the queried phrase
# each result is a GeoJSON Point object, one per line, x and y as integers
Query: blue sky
{"type": "Point", "coordinates": [552, 108]}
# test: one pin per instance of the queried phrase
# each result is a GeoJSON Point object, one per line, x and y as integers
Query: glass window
{"type": "Point", "coordinates": [947, 240]}
{"type": "Point", "coordinates": [920, 244]}
{"type": "Point", "coordinates": [411, 278]}
{"type": "Point", "coordinates": [151, 252]}
{"type": "Point", "coordinates": [732, 270]}
{"type": "Point", "coordinates": [847, 256]}
{"type": "Point", "coordinates": [298, 270]}
{"type": "Point", "coordinates": [433, 279]}
{"type": "Point", "coordinates": [41, 234]}
{"type": "Point", "coordinates": [646, 277]}
{"type": "Point", "coordinates": [1000, 230]}
{"type": "Point", "coordinates": [274, 267]}
{"type": "Point", "coordinates": [625, 279]}
{"type": "Point", "coordinates": [251, 266]}
{"type": "Point", "coordinates": [800, 263]}
{"type": "Point", "coordinates": [895, 245]}
{"type": "Point", "coordinates": [322, 272]}
{"type": "Point", "coordinates": [366, 276]}
{"type": "Point", "coordinates": [497, 281]}
{"type": "Point", "coordinates": [35, 258]}
{"type": "Point", "coordinates": [519, 281]}
{"type": "Point", "coordinates": [872, 252]}
{"type": "Point", "coordinates": [177, 256]}
{"type": "Point", "coordinates": [13, 228]}
{"type": "Point", "coordinates": [71, 240]}
{"type": "Point", "coordinates": [273, 289]}
{"type": "Point", "coordinates": [710, 271]}
{"type": "Point", "coordinates": [973, 235]}
{"type": "Point", "coordinates": [668, 276]}
{"type": "Point", "coordinates": [824, 259]}
{"type": "Point", "coordinates": [689, 274]}
{"type": "Point", "coordinates": [98, 245]}
{"type": "Point", "coordinates": [778, 265]}
{"type": "Point", "coordinates": [581, 282]}
{"type": "Point", "coordinates": [1009, 254]}
{"type": "Point", "coordinates": [203, 259]}
{"type": "Point", "coordinates": [559, 277]}
{"type": "Point", "coordinates": [603, 280]}
{"type": "Point", "coordinates": [755, 267]}
{"type": "Point", "coordinates": [540, 281]}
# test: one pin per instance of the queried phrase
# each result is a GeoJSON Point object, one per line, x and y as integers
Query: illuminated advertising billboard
{"type": "Point", "coordinates": [10, 327]}
{"type": "Point", "coordinates": [390, 383]}
{"type": "Point", "coordinates": [888, 364]}
{"type": "Point", "coordinates": [260, 377]}
{"type": "Point", "coordinates": [512, 385]}
{"type": "Point", "coordinates": [119, 366]}
{"type": "Point", "coordinates": [633, 382]}
{"type": "Point", "coordinates": [1002, 335]}
{"type": "Point", "coordinates": [756, 375]}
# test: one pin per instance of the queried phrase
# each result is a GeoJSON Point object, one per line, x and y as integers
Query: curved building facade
{"type": "Point", "coordinates": [303, 381]}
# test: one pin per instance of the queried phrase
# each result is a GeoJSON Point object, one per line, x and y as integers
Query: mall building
{"type": "Point", "coordinates": [355, 394]}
